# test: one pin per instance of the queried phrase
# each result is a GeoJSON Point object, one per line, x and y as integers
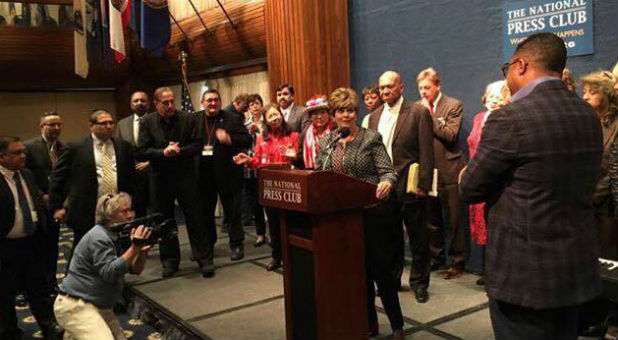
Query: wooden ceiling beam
{"type": "Point", "coordinates": [47, 2]}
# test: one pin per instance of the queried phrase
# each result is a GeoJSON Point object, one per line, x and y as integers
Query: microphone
{"type": "Point", "coordinates": [341, 133]}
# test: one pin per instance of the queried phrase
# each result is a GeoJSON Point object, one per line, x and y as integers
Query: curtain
{"type": "Point", "coordinates": [182, 9]}
{"type": "Point", "coordinates": [228, 87]}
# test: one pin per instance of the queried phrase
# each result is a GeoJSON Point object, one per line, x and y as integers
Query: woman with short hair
{"type": "Point", "coordinates": [496, 95]}
{"type": "Point", "coordinates": [363, 155]}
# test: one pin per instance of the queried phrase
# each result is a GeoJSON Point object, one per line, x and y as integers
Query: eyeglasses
{"type": "Point", "coordinates": [53, 124]}
{"type": "Point", "coordinates": [505, 67]}
{"type": "Point", "coordinates": [105, 123]}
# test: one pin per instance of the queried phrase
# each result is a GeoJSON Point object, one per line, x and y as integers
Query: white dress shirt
{"type": "Point", "coordinates": [97, 145]}
{"type": "Point", "coordinates": [136, 120]}
{"type": "Point", "coordinates": [18, 230]}
{"type": "Point", "coordinates": [386, 125]}
{"type": "Point", "coordinates": [436, 102]}
{"type": "Point", "coordinates": [287, 112]}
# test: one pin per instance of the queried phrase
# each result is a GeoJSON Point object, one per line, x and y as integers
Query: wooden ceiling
{"type": "Point", "coordinates": [236, 46]}
{"type": "Point", "coordinates": [41, 58]}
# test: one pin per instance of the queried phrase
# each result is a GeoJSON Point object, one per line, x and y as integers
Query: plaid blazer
{"type": "Point", "coordinates": [536, 167]}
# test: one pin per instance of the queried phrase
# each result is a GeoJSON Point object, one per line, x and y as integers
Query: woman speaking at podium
{"type": "Point", "coordinates": [362, 155]}
{"type": "Point", "coordinates": [276, 145]}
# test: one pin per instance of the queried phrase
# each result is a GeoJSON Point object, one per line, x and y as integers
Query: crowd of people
{"type": "Point", "coordinates": [542, 172]}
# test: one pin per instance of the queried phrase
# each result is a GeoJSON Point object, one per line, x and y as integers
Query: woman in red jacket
{"type": "Point", "coordinates": [276, 145]}
{"type": "Point", "coordinates": [496, 96]}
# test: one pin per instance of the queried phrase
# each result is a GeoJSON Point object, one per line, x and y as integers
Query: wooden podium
{"type": "Point", "coordinates": [323, 250]}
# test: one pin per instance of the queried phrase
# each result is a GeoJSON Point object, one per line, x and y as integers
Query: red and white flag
{"type": "Point", "coordinates": [119, 18]}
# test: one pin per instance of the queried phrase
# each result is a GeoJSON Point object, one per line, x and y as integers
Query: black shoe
{"type": "Point", "coordinates": [258, 244]}
{"type": "Point", "coordinates": [421, 294]}
{"type": "Point", "coordinates": [435, 265]}
{"type": "Point", "coordinates": [207, 268]}
{"type": "Point", "coordinates": [274, 264]}
{"type": "Point", "coordinates": [480, 281]}
{"type": "Point", "coordinates": [20, 301]}
{"type": "Point", "coordinates": [237, 253]}
{"type": "Point", "coordinates": [169, 270]}
{"type": "Point", "coordinates": [55, 332]}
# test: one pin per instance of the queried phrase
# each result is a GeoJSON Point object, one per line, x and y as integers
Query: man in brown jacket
{"type": "Point", "coordinates": [444, 212]}
{"type": "Point", "coordinates": [407, 133]}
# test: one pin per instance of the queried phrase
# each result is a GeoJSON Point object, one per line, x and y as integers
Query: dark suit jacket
{"type": "Point", "coordinates": [76, 174]}
{"type": "Point", "coordinates": [298, 120]}
{"type": "Point", "coordinates": [124, 130]}
{"type": "Point", "coordinates": [38, 161]}
{"type": "Point", "coordinates": [224, 169]}
{"type": "Point", "coordinates": [446, 151]}
{"type": "Point", "coordinates": [412, 143]}
{"type": "Point", "coordinates": [7, 203]}
{"type": "Point", "coordinates": [536, 167]}
{"type": "Point", "coordinates": [152, 142]}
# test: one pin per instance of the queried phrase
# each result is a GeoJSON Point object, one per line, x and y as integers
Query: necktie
{"type": "Point", "coordinates": [108, 178]}
{"type": "Point", "coordinates": [29, 226]}
{"type": "Point", "coordinates": [53, 156]}
{"type": "Point", "coordinates": [431, 108]}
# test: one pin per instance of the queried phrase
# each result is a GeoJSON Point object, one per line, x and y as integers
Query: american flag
{"type": "Point", "coordinates": [187, 105]}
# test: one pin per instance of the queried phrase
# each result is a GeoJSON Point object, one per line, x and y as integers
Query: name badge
{"type": "Point", "coordinates": [208, 150]}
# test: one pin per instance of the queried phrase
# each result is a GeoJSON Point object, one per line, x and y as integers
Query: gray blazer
{"type": "Point", "coordinates": [365, 158]}
{"type": "Point", "coordinates": [298, 120]}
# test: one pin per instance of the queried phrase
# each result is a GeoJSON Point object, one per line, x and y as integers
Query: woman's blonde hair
{"type": "Point", "coordinates": [502, 86]}
{"type": "Point", "coordinates": [108, 206]}
{"type": "Point", "coordinates": [604, 82]}
{"type": "Point", "coordinates": [343, 98]}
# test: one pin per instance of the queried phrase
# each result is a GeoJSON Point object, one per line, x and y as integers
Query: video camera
{"type": "Point", "coordinates": [160, 229]}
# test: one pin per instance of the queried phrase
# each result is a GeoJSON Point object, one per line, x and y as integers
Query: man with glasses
{"type": "Point", "coordinates": [536, 166]}
{"type": "Point", "coordinates": [42, 154]}
{"type": "Point", "coordinates": [99, 164]}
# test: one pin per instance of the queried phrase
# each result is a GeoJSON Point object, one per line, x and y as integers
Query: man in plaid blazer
{"type": "Point", "coordinates": [536, 167]}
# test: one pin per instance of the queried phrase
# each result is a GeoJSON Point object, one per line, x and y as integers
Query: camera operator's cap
{"type": "Point", "coordinates": [317, 102]}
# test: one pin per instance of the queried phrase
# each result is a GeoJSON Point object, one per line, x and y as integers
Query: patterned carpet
{"type": "Point", "coordinates": [134, 329]}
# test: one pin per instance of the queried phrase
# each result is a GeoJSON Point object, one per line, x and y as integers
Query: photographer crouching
{"type": "Point", "coordinates": [94, 282]}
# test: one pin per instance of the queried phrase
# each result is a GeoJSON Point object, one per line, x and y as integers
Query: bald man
{"type": "Point", "coordinates": [407, 132]}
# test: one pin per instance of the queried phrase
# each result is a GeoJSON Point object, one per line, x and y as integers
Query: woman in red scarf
{"type": "Point", "coordinates": [321, 124]}
{"type": "Point", "coordinates": [276, 145]}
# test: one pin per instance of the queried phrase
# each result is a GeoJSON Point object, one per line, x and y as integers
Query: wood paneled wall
{"type": "Point", "coordinates": [41, 58]}
{"type": "Point", "coordinates": [307, 44]}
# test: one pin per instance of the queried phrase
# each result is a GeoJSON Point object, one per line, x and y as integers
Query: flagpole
{"type": "Point", "coordinates": [182, 57]}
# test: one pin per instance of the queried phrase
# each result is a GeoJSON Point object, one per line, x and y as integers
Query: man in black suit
{"type": "Point", "coordinates": [224, 136]}
{"type": "Point", "coordinates": [97, 165]}
{"type": "Point", "coordinates": [23, 249]}
{"type": "Point", "coordinates": [128, 130]}
{"type": "Point", "coordinates": [171, 140]}
{"type": "Point", "coordinates": [41, 158]}
{"type": "Point", "coordinates": [407, 133]}
{"type": "Point", "coordinates": [536, 167]}
{"type": "Point", "coordinates": [293, 114]}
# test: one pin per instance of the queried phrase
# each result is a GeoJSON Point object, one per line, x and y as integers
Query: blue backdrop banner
{"type": "Point", "coordinates": [572, 20]}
